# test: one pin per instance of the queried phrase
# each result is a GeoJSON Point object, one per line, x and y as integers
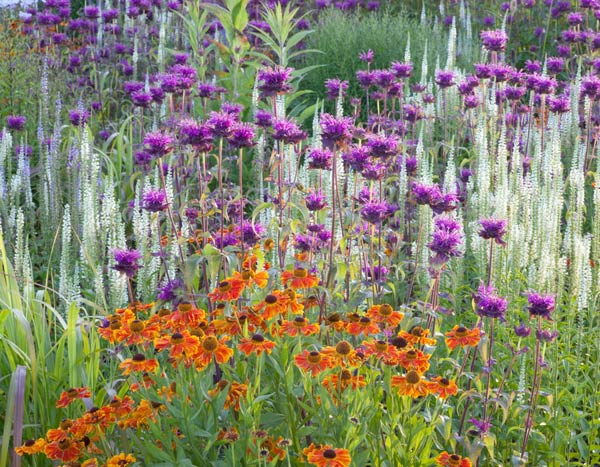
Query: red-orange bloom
{"type": "Point", "coordinates": [228, 290]}
{"type": "Point", "coordinates": [235, 391]}
{"type": "Point", "coordinates": [180, 344]}
{"type": "Point", "coordinates": [412, 384]}
{"type": "Point", "coordinates": [120, 460]}
{"type": "Point", "coordinates": [256, 344]}
{"type": "Point", "coordinates": [414, 359]}
{"type": "Point", "coordinates": [417, 336]}
{"type": "Point", "coordinates": [313, 362]}
{"type": "Point", "coordinates": [298, 325]}
{"type": "Point", "coordinates": [250, 277]}
{"type": "Point", "coordinates": [138, 363]}
{"type": "Point", "coordinates": [299, 278]}
{"type": "Point", "coordinates": [65, 450]}
{"type": "Point", "coordinates": [327, 456]}
{"type": "Point", "coordinates": [343, 380]}
{"type": "Point", "coordinates": [452, 460]}
{"type": "Point", "coordinates": [211, 347]}
{"type": "Point", "coordinates": [385, 315]}
{"type": "Point", "coordinates": [461, 336]}
{"type": "Point", "coordinates": [343, 354]}
{"type": "Point", "coordinates": [186, 314]}
{"type": "Point", "coordinates": [363, 326]}
{"type": "Point", "coordinates": [137, 332]}
{"type": "Point", "coordinates": [66, 397]}
{"type": "Point", "coordinates": [276, 303]}
{"type": "Point", "coordinates": [31, 446]}
{"type": "Point", "coordinates": [443, 387]}
{"type": "Point", "coordinates": [381, 350]}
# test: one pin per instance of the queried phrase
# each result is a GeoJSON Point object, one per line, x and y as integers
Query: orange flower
{"type": "Point", "coordinates": [179, 344]}
{"type": "Point", "coordinates": [363, 326]}
{"type": "Point", "coordinates": [276, 303]}
{"type": "Point", "coordinates": [327, 456]}
{"type": "Point", "coordinates": [414, 359]}
{"type": "Point", "coordinates": [139, 418]}
{"type": "Point", "coordinates": [385, 315]}
{"type": "Point", "coordinates": [315, 362]}
{"type": "Point", "coordinates": [452, 460]}
{"type": "Point", "coordinates": [250, 277]}
{"type": "Point", "coordinates": [234, 393]}
{"type": "Point", "coordinates": [228, 290]}
{"type": "Point", "coordinates": [293, 304]}
{"type": "Point", "coordinates": [299, 278]}
{"type": "Point", "coordinates": [120, 460]}
{"type": "Point", "coordinates": [137, 332]}
{"type": "Point", "coordinates": [256, 344]}
{"type": "Point", "coordinates": [461, 336]}
{"type": "Point", "coordinates": [138, 363]}
{"type": "Point", "coordinates": [186, 315]}
{"type": "Point", "coordinates": [31, 446]}
{"type": "Point", "coordinates": [381, 350]}
{"type": "Point", "coordinates": [66, 397]}
{"type": "Point", "coordinates": [298, 325]}
{"type": "Point", "coordinates": [272, 448]}
{"type": "Point", "coordinates": [310, 302]}
{"type": "Point", "coordinates": [417, 336]}
{"type": "Point", "coordinates": [343, 380]}
{"type": "Point", "coordinates": [343, 354]}
{"type": "Point", "coordinates": [443, 387]}
{"type": "Point", "coordinates": [230, 435]}
{"type": "Point", "coordinates": [65, 450]}
{"type": "Point", "coordinates": [334, 320]}
{"type": "Point", "coordinates": [211, 347]}
{"type": "Point", "coordinates": [412, 384]}
{"type": "Point", "coordinates": [122, 407]}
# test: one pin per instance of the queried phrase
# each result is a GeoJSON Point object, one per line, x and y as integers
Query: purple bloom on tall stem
{"type": "Point", "coordinates": [375, 212]}
{"type": "Point", "coordinates": [241, 136]}
{"type": "Point", "coordinates": [196, 134]}
{"type": "Point", "coordinates": [494, 40]}
{"type": "Point", "coordinates": [158, 144]}
{"type": "Point", "coordinates": [444, 79]}
{"type": "Point", "coordinates": [540, 305]}
{"type": "Point", "coordinates": [590, 86]}
{"type": "Point", "coordinates": [15, 122]}
{"type": "Point", "coordinates": [315, 201]}
{"type": "Point", "coordinates": [126, 261]}
{"type": "Point", "coordinates": [263, 119]}
{"type": "Point", "coordinates": [356, 158]}
{"type": "Point", "coordinates": [287, 131]}
{"type": "Point", "coordinates": [402, 70]}
{"type": "Point", "coordinates": [336, 130]}
{"type": "Point", "coordinates": [78, 118]}
{"type": "Point", "coordinates": [154, 201]}
{"type": "Point", "coordinates": [522, 331]}
{"type": "Point", "coordinates": [220, 123]}
{"type": "Point", "coordinates": [545, 335]}
{"type": "Point", "coordinates": [367, 56]}
{"type": "Point", "coordinates": [493, 229]}
{"type": "Point", "coordinates": [446, 240]}
{"type": "Point", "coordinates": [488, 303]}
{"type": "Point", "coordinates": [320, 159]}
{"type": "Point", "coordinates": [382, 146]}
{"type": "Point", "coordinates": [274, 81]}
{"type": "Point", "coordinates": [334, 86]}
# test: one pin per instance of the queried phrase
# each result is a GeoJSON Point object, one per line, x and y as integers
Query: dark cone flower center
{"type": "Point", "coordinates": [329, 454]}
{"type": "Point", "coordinates": [210, 343]}
{"type": "Point", "coordinates": [258, 338]}
{"type": "Point", "coordinates": [270, 299]}
{"type": "Point", "coordinates": [314, 357]}
{"type": "Point", "coordinates": [412, 377]}
{"type": "Point", "coordinates": [343, 348]}
{"type": "Point", "coordinates": [386, 310]}
{"type": "Point", "coordinates": [177, 338]}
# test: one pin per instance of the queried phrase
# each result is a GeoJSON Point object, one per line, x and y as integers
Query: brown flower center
{"type": "Point", "coordinates": [136, 326]}
{"type": "Point", "coordinates": [258, 338]}
{"type": "Point", "coordinates": [381, 346]}
{"type": "Point", "coordinates": [290, 293]}
{"type": "Point", "coordinates": [247, 275]}
{"type": "Point", "coordinates": [444, 382]}
{"type": "Point", "coordinates": [454, 459]}
{"type": "Point", "coordinates": [163, 312]}
{"type": "Point", "coordinates": [114, 325]}
{"type": "Point", "coordinates": [210, 343]}
{"type": "Point", "coordinates": [299, 322]}
{"type": "Point", "coordinates": [329, 454]}
{"type": "Point", "coordinates": [399, 342]}
{"type": "Point", "coordinates": [269, 244]}
{"type": "Point", "coordinates": [461, 332]}
{"type": "Point", "coordinates": [300, 273]}
{"type": "Point", "coordinates": [72, 393]}
{"type": "Point", "coordinates": [314, 357]}
{"type": "Point", "coordinates": [343, 348]}
{"type": "Point", "coordinates": [411, 355]}
{"type": "Point", "coordinates": [185, 307]}
{"type": "Point", "coordinates": [412, 377]}
{"type": "Point", "coordinates": [417, 331]}
{"type": "Point", "coordinates": [365, 321]}
{"type": "Point", "coordinates": [334, 318]}
{"type": "Point", "coordinates": [64, 444]}
{"type": "Point", "coordinates": [271, 299]}
{"type": "Point", "coordinates": [345, 375]}
{"type": "Point", "coordinates": [177, 338]}
{"type": "Point", "coordinates": [353, 317]}
{"type": "Point", "coordinates": [224, 286]}
{"type": "Point", "coordinates": [198, 332]}
{"type": "Point", "coordinates": [29, 442]}
{"type": "Point", "coordinates": [222, 384]}
{"type": "Point", "coordinates": [66, 424]}
{"type": "Point", "coordinates": [138, 357]}
{"type": "Point", "coordinates": [386, 310]}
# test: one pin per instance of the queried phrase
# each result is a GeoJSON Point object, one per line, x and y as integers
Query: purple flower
{"type": "Point", "coordinates": [320, 159]}
{"type": "Point", "coordinates": [446, 240]}
{"type": "Point", "coordinates": [126, 261]}
{"type": "Point", "coordinates": [263, 119]}
{"type": "Point", "coordinates": [241, 136]}
{"type": "Point", "coordinates": [488, 303]}
{"type": "Point", "coordinates": [384, 78]}
{"type": "Point", "coordinates": [365, 78]}
{"type": "Point", "coordinates": [444, 79]}
{"type": "Point", "coordinates": [154, 201]}
{"type": "Point", "coordinates": [196, 134]}
{"type": "Point", "coordinates": [590, 86]}
{"type": "Point", "coordinates": [493, 229]}
{"type": "Point", "coordinates": [334, 86]}
{"type": "Point", "coordinates": [494, 40]}
{"type": "Point", "coordinates": [483, 426]}
{"type": "Point", "coordinates": [555, 64]}
{"type": "Point", "coordinates": [15, 122]}
{"type": "Point", "coordinates": [356, 158]}
{"type": "Point", "coordinates": [521, 330]}
{"type": "Point", "coordinates": [545, 335]}
{"type": "Point", "coordinates": [336, 130]}
{"type": "Point", "coordinates": [315, 201]}
{"type": "Point", "coordinates": [382, 146]}
{"type": "Point", "coordinates": [141, 99]}
{"type": "Point", "coordinates": [367, 56]}
{"type": "Point", "coordinates": [143, 159]}
{"type": "Point", "coordinates": [220, 124]}
{"type": "Point", "coordinates": [158, 144]}
{"type": "Point", "coordinates": [471, 101]}
{"type": "Point", "coordinates": [402, 70]}
{"type": "Point", "coordinates": [274, 81]}
{"type": "Point", "coordinates": [287, 131]}
{"type": "Point", "coordinates": [559, 104]}
{"type": "Point", "coordinates": [376, 213]}
{"type": "Point", "coordinates": [540, 305]}
{"type": "Point", "coordinates": [78, 118]}
{"type": "Point", "coordinates": [171, 291]}
{"type": "Point", "coordinates": [375, 273]}
{"type": "Point", "coordinates": [206, 90]}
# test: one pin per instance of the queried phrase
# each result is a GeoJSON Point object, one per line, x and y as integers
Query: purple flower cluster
{"type": "Point", "coordinates": [446, 241]}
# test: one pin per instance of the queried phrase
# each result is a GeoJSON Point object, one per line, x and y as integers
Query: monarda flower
{"type": "Point", "coordinates": [288, 132]}
{"type": "Point", "coordinates": [493, 229]}
{"type": "Point", "coordinates": [158, 144]}
{"type": "Point", "coordinates": [494, 40]}
{"type": "Point", "coordinates": [78, 117]}
{"type": "Point", "coordinates": [488, 303]}
{"type": "Point", "coordinates": [590, 86]}
{"type": "Point", "coordinates": [327, 456]}
{"type": "Point", "coordinates": [402, 70]}
{"type": "Point", "coordinates": [336, 130]}
{"type": "Point", "coordinates": [446, 240]}
{"type": "Point", "coordinates": [221, 124]}
{"type": "Point", "coordinates": [382, 146]}
{"type": "Point", "coordinates": [126, 261]}
{"type": "Point", "coordinates": [375, 213]}
{"type": "Point", "coordinates": [273, 81]}
{"type": "Point", "coordinates": [263, 119]}
{"type": "Point", "coordinates": [241, 136]}
{"type": "Point", "coordinates": [335, 88]}
{"type": "Point", "coordinates": [196, 134]}
{"type": "Point", "coordinates": [15, 122]}
{"type": "Point", "coordinates": [315, 201]}
{"type": "Point", "coordinates": [540, 305]}
{"type": "Point", "coordinates": [154, 201]}
{"type": "Point", "coordinates": [320, 159]}
{"type": "Point", "coordinates": [444, 79]}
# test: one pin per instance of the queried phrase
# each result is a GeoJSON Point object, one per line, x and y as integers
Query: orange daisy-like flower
{"type": "Point", "coordinates": [120, 460]}
{"type": "Point", "coordinates": [65, 450]}
{"type": "Point", "coordinates": [343, 354]}
{"type": "Point", "coordinates": [137, 332]}
{"type": "Point", "coordinates": [186, 315]}
{"type": "Point", "coordinates": [294, 304]}
{"type": "Point", "coordinates": [443, 387]}
{"type": "Point", "coordinates": [452, 460]}
{"type": "Point", "coordinates": [343, 380]}
{"type": "Point", "coordinates": [327, 456]}
{"type": "Point", "coordinates": [385, 315]}
{"type": "Point", "coordinates": [276, 303]}
{"type": "Point", "coordinates": [31, 446]}
{"type": "Point", "coordinates": [66, 397]}
{"type": "Point", "coordinates": [334, 320]}
{"type": "Point", "coordinates": [211, 347]}
{"type": "Point", "coordinates": [381, 350]}
{"type": "Point", "coordinates": [235, 391]}
{"type": "Point", "coordinates": [138, 363]}
{"type": "Point", "coordinates": [180, 344]}
{"type": "Point", "coordinates": [363, 326]}
{"type": "Point", "coordinates": [412, 384]}
{"type": "Point", "coordinates": [414, 359]}
{"type": "Point", "coordinates": [230, 435]}
{"type": "Point", "coordinates": [298, 325]}
{"type": "Point", "coordinates": [310, 302]}
{"type": "Point", "coordinates": [228, 290]}
{"type": "Point", "coordinates": [313, 362]}
{"type": "Point", "coordinates": [140, 417]}
{"type": "Point", "coordinates": [272, 449]}
{"type": "Point", "coordinates": [417, 336]}
{"type": "Point", "coordinates": [256, 344]}
{"type": "Point", "coordinates": [299, 278]}
{"type": "Point", "coordinates": [250, 277]}
{"type": "Point", "coordinates": [91, 463]}
{"type": "Point", "coordinates": [461, 336]}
